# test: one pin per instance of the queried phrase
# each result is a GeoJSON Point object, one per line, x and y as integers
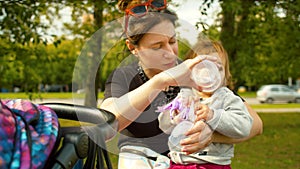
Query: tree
{"type": "Point", "coordinates": [21, 23]}
{"type": "Point", "coordinates": [102, 12]}
{"type": "Point", "coordinates": [255, 36]}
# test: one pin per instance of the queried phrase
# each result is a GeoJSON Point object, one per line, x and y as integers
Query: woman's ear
{"type": "Point", "coordinates": [131, 47]}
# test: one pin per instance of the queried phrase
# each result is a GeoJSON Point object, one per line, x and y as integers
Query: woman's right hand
{"type": "Point", "coordinates": [180, 75]}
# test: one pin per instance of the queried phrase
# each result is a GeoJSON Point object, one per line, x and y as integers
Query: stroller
{"type": "Point", "coordinates": [85, 142]}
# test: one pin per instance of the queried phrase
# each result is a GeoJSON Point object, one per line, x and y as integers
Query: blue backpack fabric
{"type": "Point", "coordinates": [28, 134]}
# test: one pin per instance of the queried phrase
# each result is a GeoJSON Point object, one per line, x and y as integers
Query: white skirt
{"type": "Point", "coordinates": [135, 157]}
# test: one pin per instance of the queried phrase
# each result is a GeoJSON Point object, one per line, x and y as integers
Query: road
{"type": "Point", "coordinates": [248, 100]}
{"type": "Point", "coordinates": [277, 110]}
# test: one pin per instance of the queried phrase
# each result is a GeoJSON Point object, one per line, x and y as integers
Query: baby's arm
{"type": "Point", "coordinates": [235, 120]}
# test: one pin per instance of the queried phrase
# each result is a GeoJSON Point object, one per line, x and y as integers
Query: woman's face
{"type": "Point", "coordinates": [158, 49]}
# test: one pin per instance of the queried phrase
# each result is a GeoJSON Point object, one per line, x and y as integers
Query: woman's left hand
{"type": "Point", "coordinates": [199, 136]}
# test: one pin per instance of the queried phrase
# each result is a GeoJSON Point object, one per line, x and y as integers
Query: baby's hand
{"type": "Point", "coordinates": [203, 112]}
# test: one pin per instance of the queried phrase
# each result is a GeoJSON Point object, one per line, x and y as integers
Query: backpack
{"type": "Point", "coordinates": [28, 134]}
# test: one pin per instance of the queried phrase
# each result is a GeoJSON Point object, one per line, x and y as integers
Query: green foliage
{"type": "Point", "coordinates": [29, 66]}
{"type": "Point", "coordinates": [262, 40]}
{"type": "Point", "coordinates": [183, 48]}
{"type": "Point", "coordinates": [261, 37]}
{"type": "Point", "coordinates": [20, 21]}
{"type": "Point", "coordinates": [15, 69]}
{"type": "Point", "coordinates": [27, 63]}
{"type": "Point", "coordinates": [270, 46]}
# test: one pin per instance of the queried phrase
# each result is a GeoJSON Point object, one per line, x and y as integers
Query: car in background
{"type": "Point", "coordinates": [277, 93]}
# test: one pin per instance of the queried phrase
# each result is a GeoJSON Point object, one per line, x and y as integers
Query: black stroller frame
{"type": "Point", "coordinates": [85, 141]}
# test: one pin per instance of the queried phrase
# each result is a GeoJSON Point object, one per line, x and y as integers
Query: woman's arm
{"type": "Point", "coordinates": [129, 106]}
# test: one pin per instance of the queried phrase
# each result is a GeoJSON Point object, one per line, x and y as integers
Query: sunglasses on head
{"type": "Point", "coordinates": [140, 10]}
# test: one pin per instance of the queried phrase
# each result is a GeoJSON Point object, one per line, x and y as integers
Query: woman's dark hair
{"type": "Point", "coordinates": [138, 26]}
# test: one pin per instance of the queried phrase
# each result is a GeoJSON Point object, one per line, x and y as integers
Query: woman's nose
{"type": "Point", "coordinates": [169, 51]}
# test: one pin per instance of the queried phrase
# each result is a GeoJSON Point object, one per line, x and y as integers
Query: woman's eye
{"type": "Point", "coordinates": [172, 42]}
{"type": "Point", "coordinates": [156, 47]}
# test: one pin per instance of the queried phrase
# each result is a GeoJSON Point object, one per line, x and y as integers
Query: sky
{"type": "Point", "coordinates": [188, 13]}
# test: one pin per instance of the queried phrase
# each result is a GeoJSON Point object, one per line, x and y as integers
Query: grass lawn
{"type": "Point", "coordinates": [247, 94]}
{"type": "Point", "coordinates": [275, 106]}
{"type": "Point", "coordinates": [69, 95]}
{"type": "Point", "coordinates": [278, 146]}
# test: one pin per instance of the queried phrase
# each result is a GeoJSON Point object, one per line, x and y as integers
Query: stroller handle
{"type": "Point", "coordinates": [81, 113]}
{"type": "Point", "coordinates": [83, 141]}
{"type": "Point", "coordinates": [105, 122]}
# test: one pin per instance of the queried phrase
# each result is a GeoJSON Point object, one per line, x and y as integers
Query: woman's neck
{"type": "Point", "coordinates": [151, 72]}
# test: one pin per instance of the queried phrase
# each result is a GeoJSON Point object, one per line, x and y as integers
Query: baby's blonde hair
{"type": "Point", "coordinates": [207, 47]}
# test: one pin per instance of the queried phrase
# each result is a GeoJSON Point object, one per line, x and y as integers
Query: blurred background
{"type": "Point", "coordinates": [43, 41]}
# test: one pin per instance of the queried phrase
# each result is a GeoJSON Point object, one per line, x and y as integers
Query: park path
{"type": "Point", "coordinates": [279, 110]}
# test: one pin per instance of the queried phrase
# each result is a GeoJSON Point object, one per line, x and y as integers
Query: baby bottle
{"type": "Point", "coordinates": [207, 75]}
{"type": "Point", "coordinates": [178, 134]}
{"type": "Point", "coordinates": [187, 120]}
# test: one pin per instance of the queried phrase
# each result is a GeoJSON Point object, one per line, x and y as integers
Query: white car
{"type": "Point", "coordinates": [277, 93]}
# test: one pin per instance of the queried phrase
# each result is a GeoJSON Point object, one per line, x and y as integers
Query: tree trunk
{"type": "Point", "coordinates": [227, 35]}
{"type": "Point", "coordinates": [93, 80]}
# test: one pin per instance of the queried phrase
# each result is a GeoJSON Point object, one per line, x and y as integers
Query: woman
{"type": "Point", "coordinates": [133, 92]}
